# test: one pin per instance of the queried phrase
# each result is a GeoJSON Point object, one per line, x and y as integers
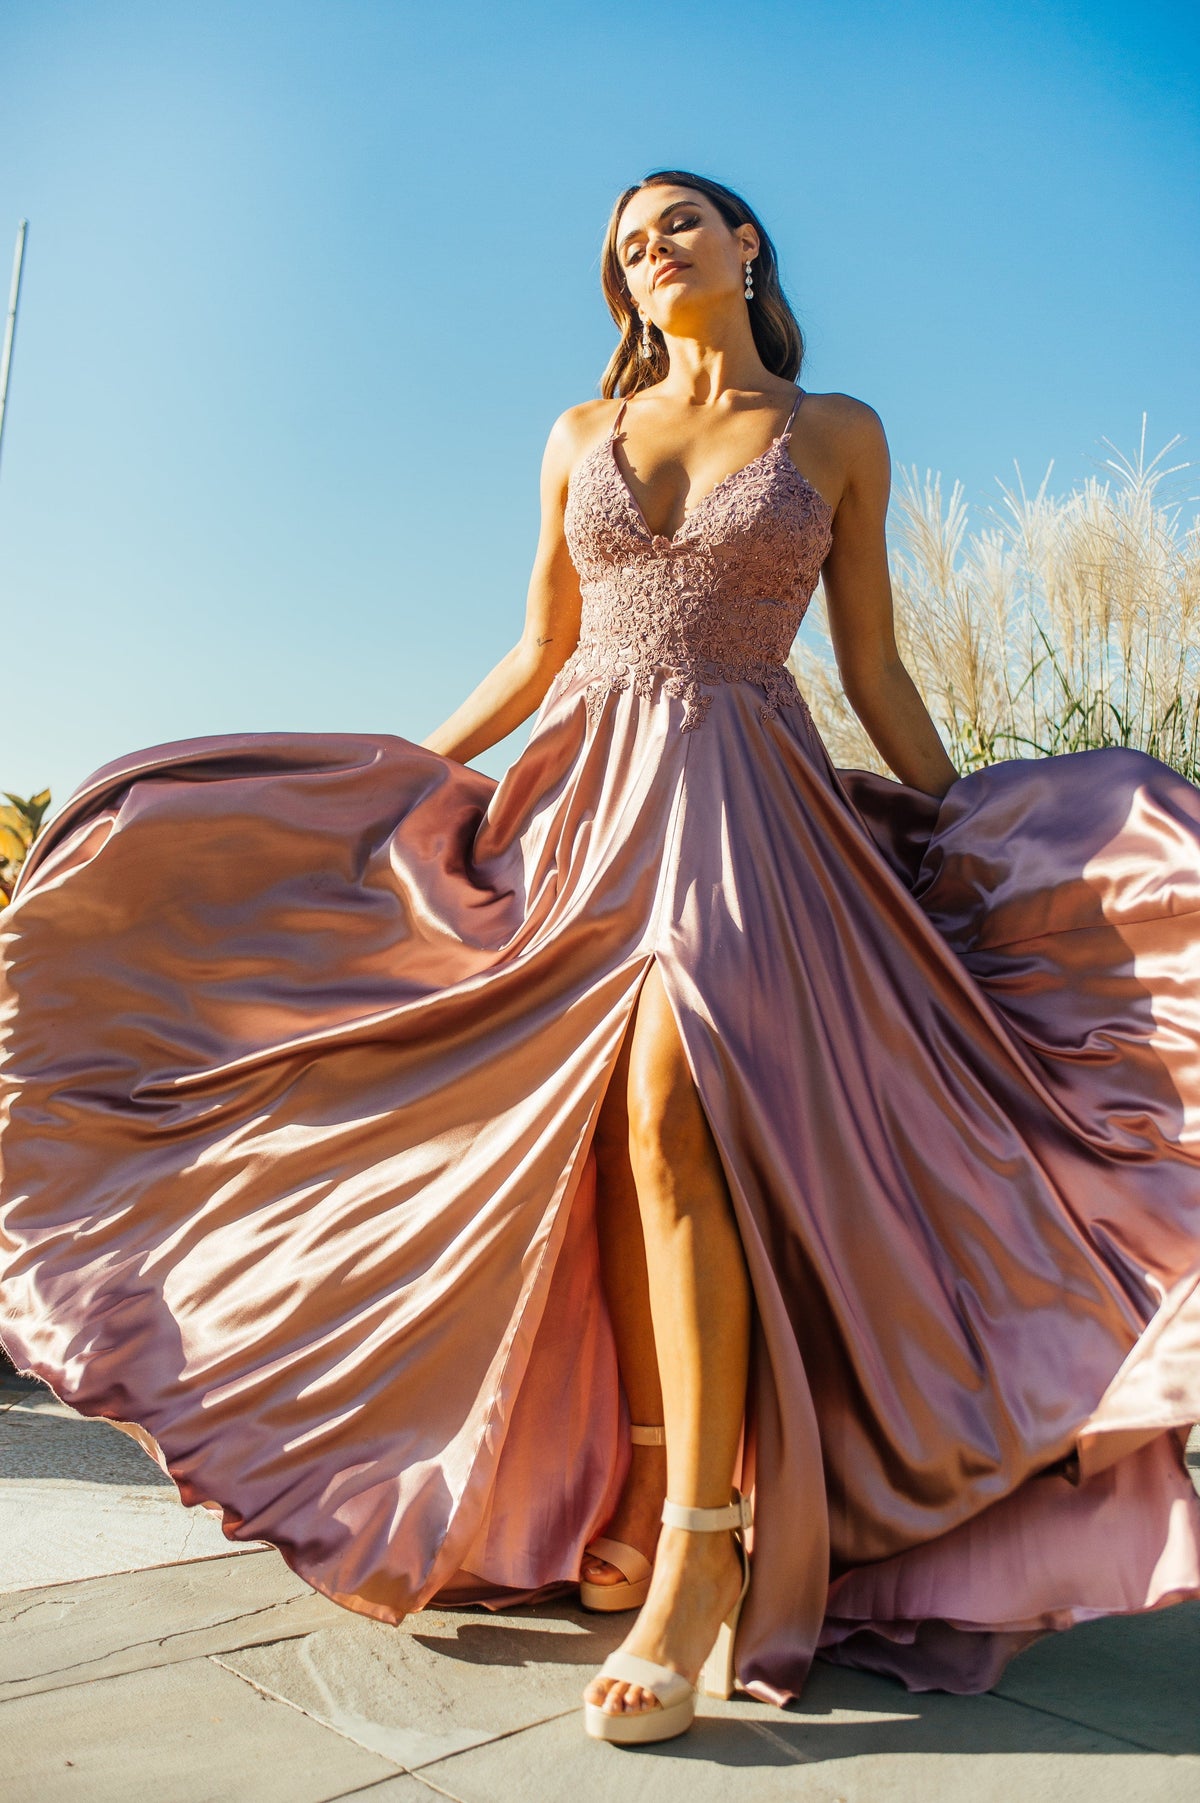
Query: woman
{"type": "Point", "coordinates": [455, 1182]}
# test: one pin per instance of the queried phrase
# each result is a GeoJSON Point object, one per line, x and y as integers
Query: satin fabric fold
{"type": "Point", "coordinates": [304, 1038]}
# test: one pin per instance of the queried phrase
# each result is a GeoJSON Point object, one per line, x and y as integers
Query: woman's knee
{"type": "Point", "coordinates": [670, 1143]}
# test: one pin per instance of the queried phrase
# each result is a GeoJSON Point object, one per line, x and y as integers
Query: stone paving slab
{"type": "Point", "coordinates": [1137, 1676]}
{"type": "Point", "coordinates": [416, 1790]}
{"type": "Point", "coordinates": [446, 1683]}
{"type": "Point", "coordinates": [442, 1681]}
{"type": "Point", "coordinates": [186, 1733]}
{"type": "Point", "coordinates": [987, 1751]}
{"type": "Point", "coordinates": [67, 1634]}
{"type": "Point", "coordinates": [410, 1789]}
{"type": "Point", "coordinates": [79, 1498]}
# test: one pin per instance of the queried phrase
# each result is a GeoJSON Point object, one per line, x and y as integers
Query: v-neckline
{"type": "Point", "coordinates": [690, 512]}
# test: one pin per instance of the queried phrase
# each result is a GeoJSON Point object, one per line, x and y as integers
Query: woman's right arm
{"type": "Point", "coordinates": [511, 691]}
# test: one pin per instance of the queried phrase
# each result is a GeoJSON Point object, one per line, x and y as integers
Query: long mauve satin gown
{"type": "Point", "coordinates": [304, 1041]}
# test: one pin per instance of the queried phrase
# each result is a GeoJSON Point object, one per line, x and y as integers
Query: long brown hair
{"type": "Point", "coordinates": [777, 335]}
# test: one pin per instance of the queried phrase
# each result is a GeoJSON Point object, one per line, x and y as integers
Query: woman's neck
{"type": "Point", "coordinates": [700, 374]}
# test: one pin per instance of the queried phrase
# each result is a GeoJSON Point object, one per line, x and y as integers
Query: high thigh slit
{"type": "Point", "coordinates": [304, 1037]}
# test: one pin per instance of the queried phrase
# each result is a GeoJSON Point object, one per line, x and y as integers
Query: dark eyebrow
{"type": "Point", "coordinates": [673, 208]}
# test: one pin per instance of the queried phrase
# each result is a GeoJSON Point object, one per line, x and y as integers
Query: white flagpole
{"type": "Point", "coordinates": [10, 324]}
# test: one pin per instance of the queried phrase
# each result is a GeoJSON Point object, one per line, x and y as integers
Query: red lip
{"type": "Point", "coordinates": [667, 269]}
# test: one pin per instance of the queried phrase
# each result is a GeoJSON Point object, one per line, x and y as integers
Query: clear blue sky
{"type": "Point", "coordinates": [306, 285]}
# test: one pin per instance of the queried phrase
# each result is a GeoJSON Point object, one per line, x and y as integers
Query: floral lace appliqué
{"type": "Point", "coordinates": [719, 601]}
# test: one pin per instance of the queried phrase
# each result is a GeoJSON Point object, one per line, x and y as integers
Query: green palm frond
{"type": "Point", "coordinates": [20, 823]}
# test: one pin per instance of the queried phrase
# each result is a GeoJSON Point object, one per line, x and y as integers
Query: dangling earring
{"type": "Point", "coordinates": [749, 283]}
{"type": "Point", "coordinates": [647, 345]}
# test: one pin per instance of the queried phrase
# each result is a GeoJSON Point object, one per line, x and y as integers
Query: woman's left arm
{"type": "Point", "coordinates": [858, 594]}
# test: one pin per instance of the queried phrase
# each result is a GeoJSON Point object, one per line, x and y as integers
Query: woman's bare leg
{"type": "Point", "coordinates": [699, 1304]}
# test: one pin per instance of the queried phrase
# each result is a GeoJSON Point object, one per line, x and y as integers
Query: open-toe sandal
{"type": "Point", "coordinates": [634, 1567]}
{"type": "Point", "coordinates": [675, 1705]}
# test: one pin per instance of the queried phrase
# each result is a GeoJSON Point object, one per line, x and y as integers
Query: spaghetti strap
{"type": "Point", "coordinates": [787, 430]}
{"type": "Point", "coordinates": [612, 431]}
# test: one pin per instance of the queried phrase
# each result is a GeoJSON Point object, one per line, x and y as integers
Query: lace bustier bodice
{"type": "Point", "coordinates": [720, 600]}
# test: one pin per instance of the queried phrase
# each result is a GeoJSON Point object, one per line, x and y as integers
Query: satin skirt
{"type": "Point", "coordinates": [302, 1046]}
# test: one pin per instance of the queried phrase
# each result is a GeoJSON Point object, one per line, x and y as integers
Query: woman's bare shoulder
{"type": "Point", "coordinates": [843, 415]}
{"type": "Point", "coordinates": [583, 423]}
{"type": "Point", "coordinates": [576, 431]}
{"type": "Point", "coordinates": [845, 439]}
{"type": "Point", "coordinates": [839, 443]}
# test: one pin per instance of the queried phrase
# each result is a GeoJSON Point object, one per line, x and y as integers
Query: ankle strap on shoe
{"type": "Point", "coordinates": [736, 1514]}
{"type": "Point", "coordinates": [648, 1436]}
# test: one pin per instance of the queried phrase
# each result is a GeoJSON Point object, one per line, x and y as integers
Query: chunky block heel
{"type": "Point", "coordinates": [675, 1694]}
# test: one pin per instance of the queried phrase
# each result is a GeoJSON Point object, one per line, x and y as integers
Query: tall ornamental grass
{"type": "Point", "coordinates": [1064, 623]}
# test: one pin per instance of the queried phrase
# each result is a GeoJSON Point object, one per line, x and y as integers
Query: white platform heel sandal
{"type": "Point", "coordinates": [634, 1567]}
{"type": "Point", "coordinates": [676, 1696]}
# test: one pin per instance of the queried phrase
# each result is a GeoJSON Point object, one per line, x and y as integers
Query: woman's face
{"type": "Point", "coordinates": [678, 256]}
